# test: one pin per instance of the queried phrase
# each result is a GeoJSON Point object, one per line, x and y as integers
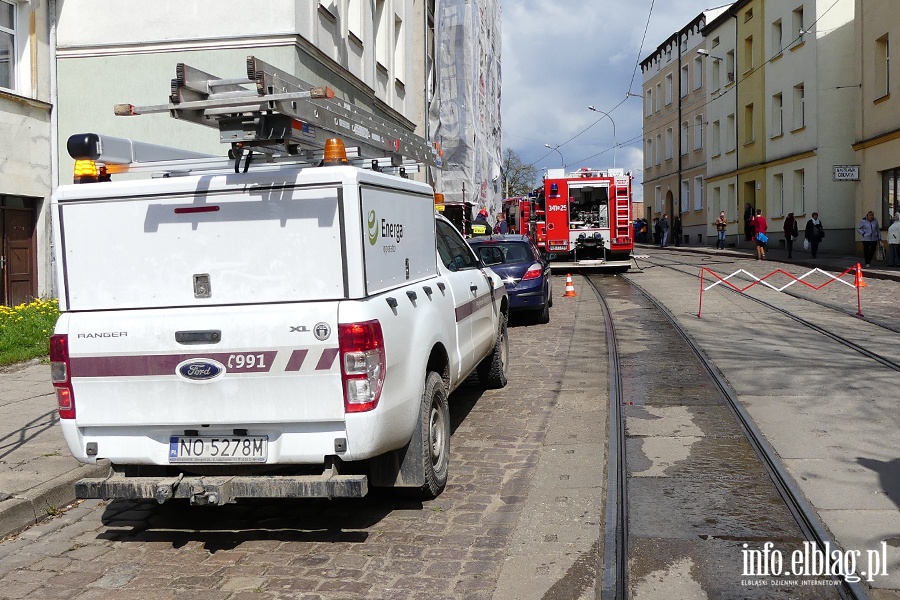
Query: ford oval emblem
{"type": "Point", "coordinates": [200, 369]}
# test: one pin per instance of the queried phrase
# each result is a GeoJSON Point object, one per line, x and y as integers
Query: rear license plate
{"type": "Point", "coordinates": [558, 246]}
{"type": "Point", "coordinates": [194, 449]}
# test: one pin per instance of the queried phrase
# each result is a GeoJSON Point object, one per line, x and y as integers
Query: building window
{"type": "Point", "coordinates": [797, 22]}
{"type": "Point", "coordinates": [670, 142]}
{"type": "Point", "coordinates": [698, 192]}
{"type": "Point", "coordinates": [381, 34]}
{"type": "Point", "coordinates": [717, 201]}
{"type": "Point", "coordinates": [729, 66]}
{"type": "Point", "coordinates": [698, 132]}
{"type": "Point", "coordinates": [684, 138]}
{"type": "Point", "coordinates": [882, 67]}
{"type": "Point", "coordinates": [658, 195]}
{"type": "Point", "coordinates": [8, 53]}
{"type": "Point", "coordinates": [890, 194]}
{"type": "Point", "coordinates": [748, 124]}
{"type": "Point", "coordinates": [730, 133]}
{"type": "Point", "coordinates": [800, 190]}
{"type": "Point", "coordinates": [716, 138]}
{"type": "Point", "coordinates": [715, 79]}
{"type": "Point", "coordinates": [669, 89]}
{"type": "Point", "coordinates": [777, 115]}
{"type": "Point", "coordinates": [748, 15]}
{"type": "Point", "coordinates": [399, 51]}
{"type": "Point", "coordinates": [355, 19]}
{"type": "Point", "coordinates": [648, 153]}
{"type": "Point", "coordinates": [778, 192]}
{"type": "Point", "coordinates": [698, 73]}
{"type": "Point", "coordinates": [685, 195]}
{"type": "Point", "coordinates": [748, 54]}
{"type": "Point", "coordinates": [658, 149]}
{"type": "Point", "coordinates": [799, 107]}
{"type": "Point", "coordinates": [648, 104]}
{"type": "Point", "coordinates": [732, 199]}
{"type": "Point", "coordinates": [684, 82]}
{"type": "Point", "coordinates": [658, 97]}
{"type": "Point", "coordinates": [777, 41]}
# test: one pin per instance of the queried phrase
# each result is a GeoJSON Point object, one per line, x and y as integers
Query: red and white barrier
{"type": "Point", "coordinates": [858, 282]}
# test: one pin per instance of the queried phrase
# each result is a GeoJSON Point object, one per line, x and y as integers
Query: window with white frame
{"type": "Point", "coordinates": [800, 190]}
{"type": "Point", "coordinates": [799, 106]}
{"type": "Point", "coordinates": [399, 51]}
{"type": "Point", "coordinates": [882, 66]}
{"type": "Point", "coordinates": [684, 138]}
{"type": "Point", "coordinates": [698, 72]}
{"type": "Point", "coordinates": [685, 195]}
{"type": "Point", "coordinates": [730, 133]}
{"type": "Point", "coordinates": [670, 89]}
{"type": "Point", "coordinates": [658, 97]}
{"type": "Point", "coordinates": [658, 194]}
{"type": "Point", "coordinates": [382, 41]}
{"type": "Point", "coordinates": [648, 153]}
{"type": "Point", "coordinates": [8, 54]}
{"type": "Point", "coordinates": [648, 104]}
{"type": "Point", "coordinates": [777, 38]}
{"type": "Point", "coordinates": [698, 192]}
{"type": "Point", "coordinates": [658, 149]}
{"type": "Point", "coordinates": [778, 191]}
{"type": "Point", "coordinates": [698, 132]}
{"type": "Point", "coordinates": [716, 138]}
{"type": "Point", "coordinates": [670, 142]}
{"type": "Point", "coordinates": [355, 19]}
{"type": "Point", "coordinates": [777, 115]}
{"type": "Point", "coordinates": [684, 82]}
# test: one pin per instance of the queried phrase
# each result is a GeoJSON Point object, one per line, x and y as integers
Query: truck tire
{"type": "Point", "coordinates": [493, 370]}
{"type": "Point", "coordinates": [432, 440]}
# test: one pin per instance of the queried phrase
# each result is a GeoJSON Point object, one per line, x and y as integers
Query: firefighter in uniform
{"type": "Point", "coordinates": [480, 225]}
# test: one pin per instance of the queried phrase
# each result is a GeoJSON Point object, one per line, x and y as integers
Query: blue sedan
{"type": "Point", "coordinates": [526, 274]}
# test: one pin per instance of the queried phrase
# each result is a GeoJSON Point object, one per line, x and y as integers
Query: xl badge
{"type": "Point", "coordinates": [322, 331]}
{"type": "Point", "coordinates": [200, 369]}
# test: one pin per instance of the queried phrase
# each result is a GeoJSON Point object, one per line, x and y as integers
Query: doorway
{"type": "Point", "coordinates": [18, 252]}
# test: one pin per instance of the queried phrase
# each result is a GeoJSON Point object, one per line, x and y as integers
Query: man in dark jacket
{"type": "Point", "coordinates": [663, 231]}
{"type": "Point", "coordinates": [480, 225]}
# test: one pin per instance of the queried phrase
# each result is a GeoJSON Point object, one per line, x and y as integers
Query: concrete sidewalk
{"type": "Point", "coordinates": [38, 474]}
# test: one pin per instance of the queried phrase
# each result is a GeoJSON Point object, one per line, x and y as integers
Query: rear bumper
{"type": "Point", "coordinates": [218, 490]}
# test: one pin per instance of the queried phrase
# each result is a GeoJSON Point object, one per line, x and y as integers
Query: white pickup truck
{"type": "Point", "coordinates": [287, 331]}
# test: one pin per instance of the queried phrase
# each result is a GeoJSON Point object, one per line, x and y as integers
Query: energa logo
{"type": "Point", "coordinates": [373, 228]}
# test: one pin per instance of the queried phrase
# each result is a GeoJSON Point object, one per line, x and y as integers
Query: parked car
{"type": "Point", "coordinates": [524, 271]}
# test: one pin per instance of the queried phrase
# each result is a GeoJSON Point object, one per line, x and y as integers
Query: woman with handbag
{"type": "Point", "coordinates": [760, 226]}
{"type": "Point", "coordinates": [814, 234]}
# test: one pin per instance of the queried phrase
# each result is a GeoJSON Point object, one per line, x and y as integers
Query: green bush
{"type": "Point", "coordinates": [25, 330]}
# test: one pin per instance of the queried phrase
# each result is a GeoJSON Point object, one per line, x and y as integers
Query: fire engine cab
{"type": "Point", "coordinates": [586, 218]}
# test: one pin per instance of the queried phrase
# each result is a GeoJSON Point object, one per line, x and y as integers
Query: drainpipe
{"type": "Point", "coordinates": [680, 34]}
{"type": "Point", "coordinates": [54, 133]}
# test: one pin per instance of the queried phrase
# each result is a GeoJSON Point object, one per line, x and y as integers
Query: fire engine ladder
{"type": "Point", "coordinates": [274, 113]}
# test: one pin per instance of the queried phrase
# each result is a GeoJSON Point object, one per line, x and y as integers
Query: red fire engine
{"type": "Point", "coordinates": [586, 218]}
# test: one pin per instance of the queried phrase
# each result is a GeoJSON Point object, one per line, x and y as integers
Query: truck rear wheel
{"type": "Point", "coordinates": [434, 436]}
{"type": "Point", "coordinates": [493, 370]}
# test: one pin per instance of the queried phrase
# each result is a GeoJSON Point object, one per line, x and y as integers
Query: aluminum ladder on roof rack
{"type": "Point", "coordinates": [282, 114]}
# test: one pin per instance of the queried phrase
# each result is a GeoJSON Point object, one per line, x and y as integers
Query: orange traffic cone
{"type": "Point", "coordinates": [570, 289]}
{"type": "Point", "coordinates": [860, 282]}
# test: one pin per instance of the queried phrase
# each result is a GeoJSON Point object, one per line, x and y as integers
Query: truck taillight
{"type": "Point", "coordinates": [59, 375]}
{"type": "Point", "coordinates": [362, 364]}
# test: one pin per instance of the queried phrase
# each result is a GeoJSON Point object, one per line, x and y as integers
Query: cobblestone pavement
{"type": "Point", "coordinates": [379, 547]}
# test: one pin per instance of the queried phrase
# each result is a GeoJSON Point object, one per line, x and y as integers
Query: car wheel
{"type": "Point", "coordinates": [544, 315]}
{"type": "Point", "coordinates": [549, 295]}
{"type": "Point", "coordinates": [433, 439]}
{"type": "Point", "coordinates": [493, 370]}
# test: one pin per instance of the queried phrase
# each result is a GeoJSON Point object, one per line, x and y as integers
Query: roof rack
{"type": "Point", "coordinates": [274, 113]}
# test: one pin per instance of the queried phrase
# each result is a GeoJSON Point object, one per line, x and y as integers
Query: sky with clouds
{"type": "Point", "coordinates": [560, 56]}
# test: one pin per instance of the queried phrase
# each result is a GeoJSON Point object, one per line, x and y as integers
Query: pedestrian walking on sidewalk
{"type": "Point", "coordinates": [663, 230]}
{"type": "Point", "coordinates": [677, 230]}
{"type": "Point", "coordinates": [814, 233]}
{"type": "Point", "coordinates": [760, 226]}
{"type": "Point", "coordinates": [721, 228]}
{"type": "Point", "coordinates": [894, 240]}
{"type": "Point", "coordinates": [870, 231]}
{"type": "Point", "coordinates": [790, 233]}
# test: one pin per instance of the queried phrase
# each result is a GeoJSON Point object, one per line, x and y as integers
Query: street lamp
{"type": "Point", "coordinates": [556, 148]}
{"type": "Point", "coordinates": [615, 142]}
